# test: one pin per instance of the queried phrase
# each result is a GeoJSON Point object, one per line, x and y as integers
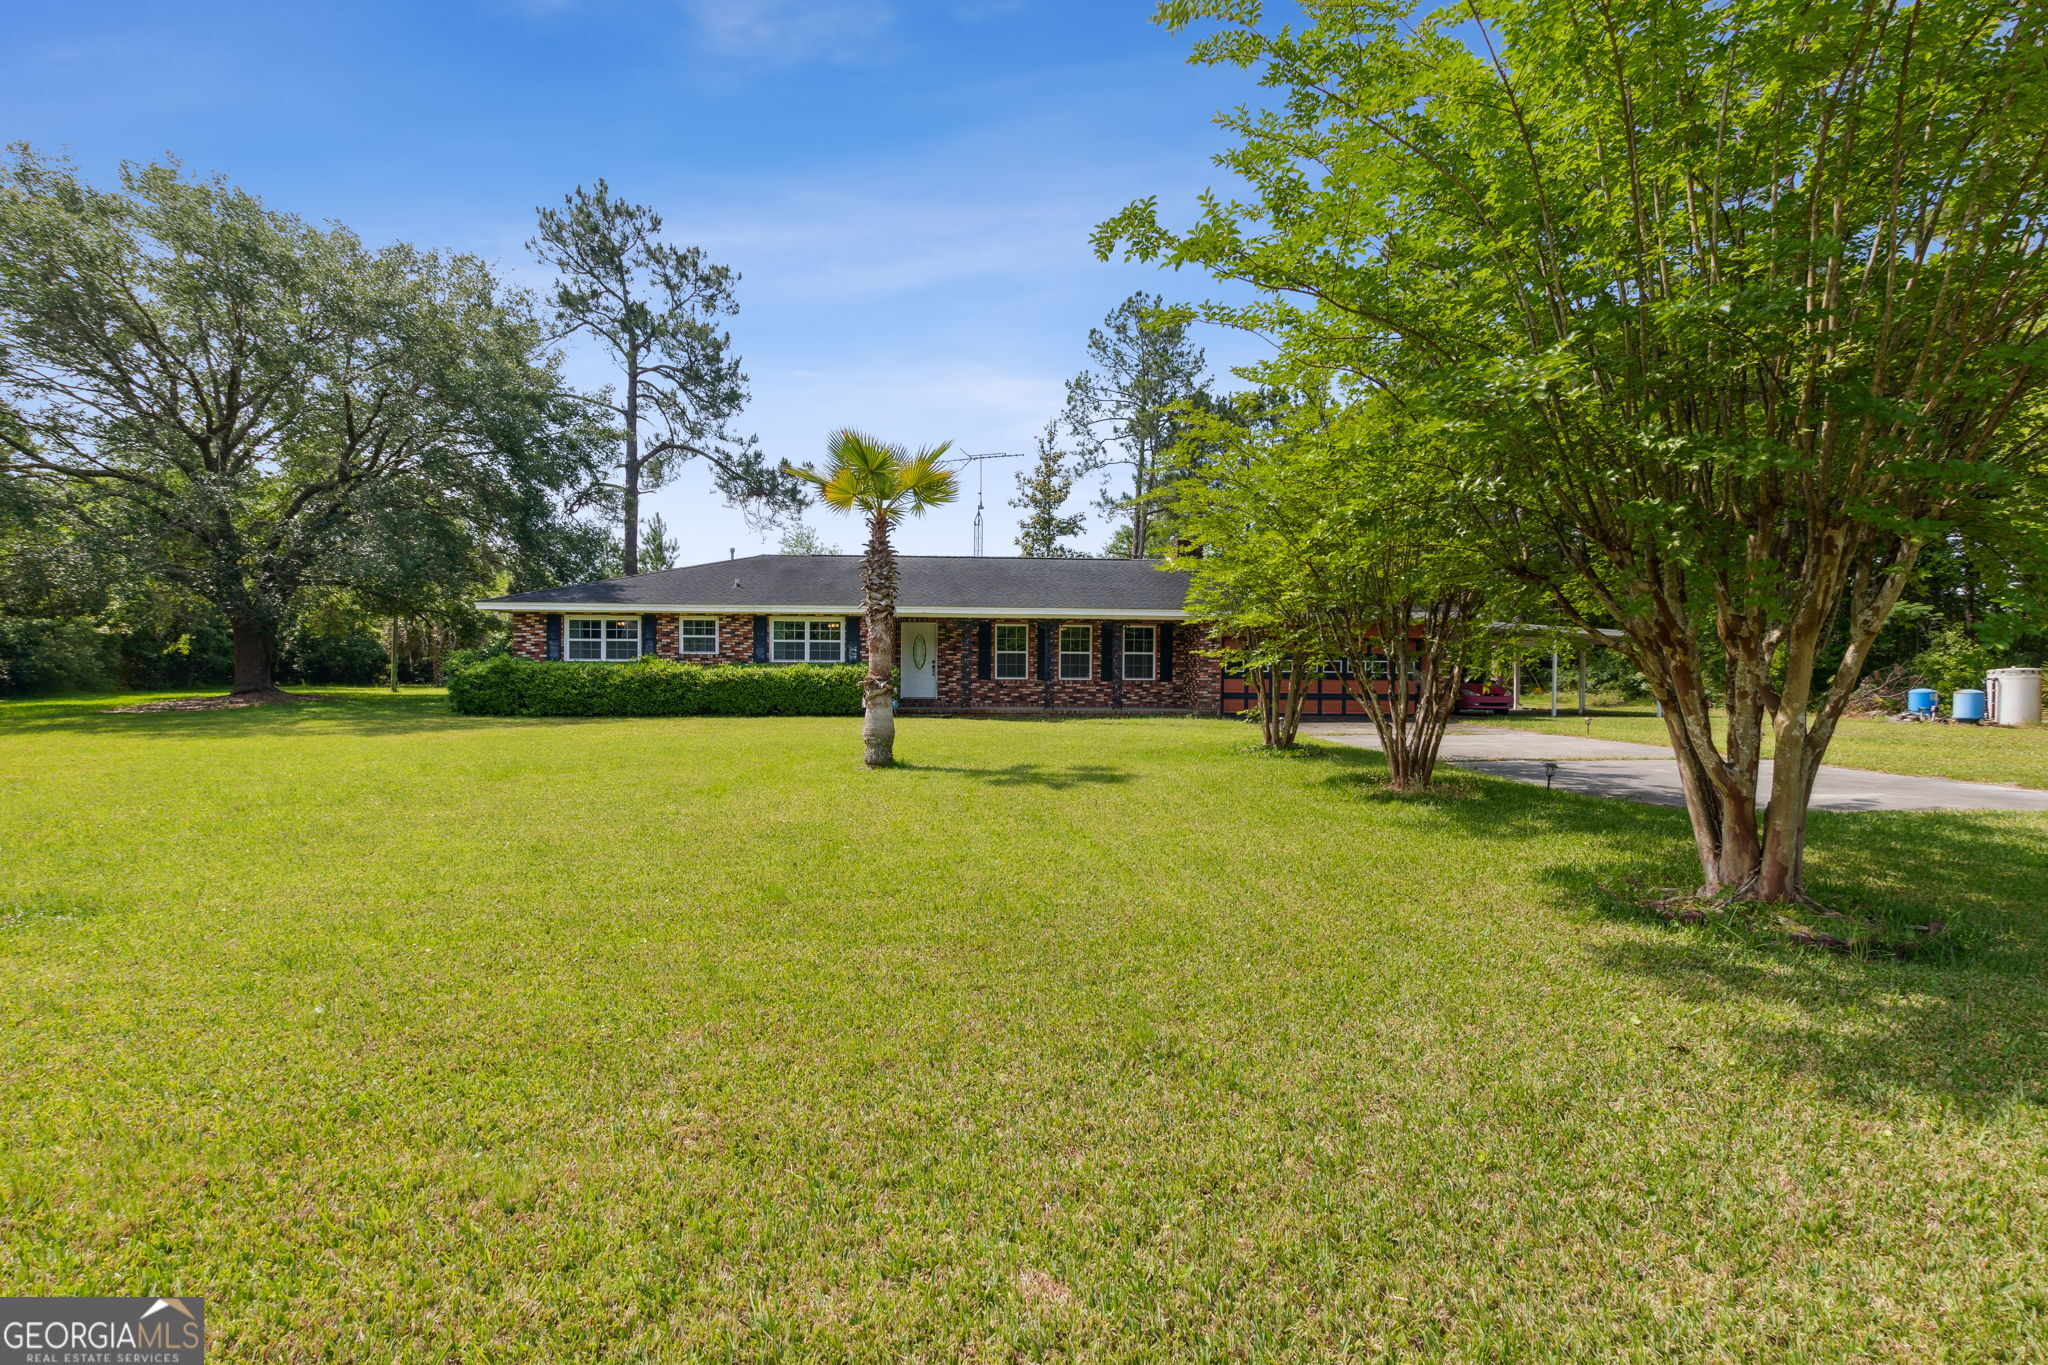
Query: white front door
{"type": "Point", "coordinates": [919, 658]}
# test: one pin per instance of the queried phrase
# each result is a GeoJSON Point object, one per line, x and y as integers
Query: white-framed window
{"type": "Point", "coordinates": [604, 639]}
{"type": "Point", "coordinates": [806, 641]}
{"type": "Point", "coordinates": [1141, 653]}
{"type": "Point", "coordinates": [1013, 651]}
{"type": "Point", "coordinates": [1375, 668]}
{"type": "Point", "coordinates": [1077, 653]}
{"type": "Point", "coordinates": [697, 635]}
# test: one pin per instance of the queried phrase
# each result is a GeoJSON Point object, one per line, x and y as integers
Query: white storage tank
{"type": "Point", "coordinates": [2015, 696]}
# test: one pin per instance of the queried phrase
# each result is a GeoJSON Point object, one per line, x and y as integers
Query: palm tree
{"type": "Point", "coordinates": [880, 482]}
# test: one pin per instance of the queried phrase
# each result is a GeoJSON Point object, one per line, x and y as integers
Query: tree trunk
{"type": "Point", "coordinates": [878, 688]}
{"type": "Point", "coordinates": [255, 644]}
{"type": "Point", "coordinates": [394, 654]}
{"type": "Point", "coordinates": [1279, 716]}
{"type": "Point", "coordinates": [1290, 718]}
{"type": "Point", "coordinates": [878, 692]}
{"type": "Point", "coordinates": [632, 469]}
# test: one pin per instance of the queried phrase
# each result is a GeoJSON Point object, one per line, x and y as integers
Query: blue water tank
{"type": "Point", "coordinates": [1921, 700]}
{"type": "Point", "coordinates": [1969, 705]}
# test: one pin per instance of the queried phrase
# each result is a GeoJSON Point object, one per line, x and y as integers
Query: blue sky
{"type": "Point", "coordinates": [906, 188]}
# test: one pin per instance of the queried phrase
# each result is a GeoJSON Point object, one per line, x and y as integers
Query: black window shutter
{"type": "Point", "coordinates": [760, 639]}
{"type": "Point", "coordinates": [554, 636]}
{"type": "Point", "coordinates": [982, 633]}
{"type": "Point", "coordinates": [1166, 651]}
{"type": "Point", "coordinates": [1111, 632]}
{"type": "Point", "coordinates": [647, 632]}
{"type": "Point", "coordinates": [1046, 630]}
{"type": "Point", "coordinates": [853, 639]}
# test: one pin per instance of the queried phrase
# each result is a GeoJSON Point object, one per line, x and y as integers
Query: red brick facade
{"type": "Point", "coordinates": [962, 686]}
{"type": "Point", "coordinates": [1195, 684]}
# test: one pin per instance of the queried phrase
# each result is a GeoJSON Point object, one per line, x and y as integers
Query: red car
{"type": "Point", "coordinates": [1475, 696]}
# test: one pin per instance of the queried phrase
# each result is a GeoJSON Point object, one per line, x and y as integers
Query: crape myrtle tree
{"type": "Point", "coordinates": [1344, 539]}
{"type": "Point", "coordinates": [228, 399]}
{"type": "Point", "coordinates": [882, 483]}
{"type": "Point", "coordinates": [1125, 410]}
{"type": "Point", "coordinates": [655, 308]}
{"type": "Point", "coordinates": [1253, 599]}
{"type": "Point", "coordinates": [1734, 305]}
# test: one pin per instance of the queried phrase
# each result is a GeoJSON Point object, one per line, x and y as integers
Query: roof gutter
{"type": "Point", "coordinates": [831, 609]}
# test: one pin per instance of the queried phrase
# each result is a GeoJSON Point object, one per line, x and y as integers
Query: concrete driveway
{"type": "Point", "coordinates": [1648, 772]}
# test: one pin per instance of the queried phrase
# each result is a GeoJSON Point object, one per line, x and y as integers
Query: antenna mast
{"type": "Point", "coordinates": [980, 484]}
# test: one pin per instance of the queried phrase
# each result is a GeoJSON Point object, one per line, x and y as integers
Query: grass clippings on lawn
{"type": "Point", "coordinates": [400, 1035]}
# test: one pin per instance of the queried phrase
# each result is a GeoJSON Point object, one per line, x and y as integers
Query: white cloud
{"type": "Point", "coordinates": [785, 32]}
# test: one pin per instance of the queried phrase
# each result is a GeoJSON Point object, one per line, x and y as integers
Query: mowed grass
{"type": "Point", "coordinates": [398, 1035]}
{"type": "Point", "coordinates": [1968, 753]}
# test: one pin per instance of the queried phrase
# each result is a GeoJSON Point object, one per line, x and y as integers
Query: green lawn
{"type": "Point", "coordinates": [1970, 753]}
{"type": "Point", "coordinates": [405, 1036]}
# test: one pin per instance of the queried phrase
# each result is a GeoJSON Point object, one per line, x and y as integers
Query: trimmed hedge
{"type": "Point", "coordinates": [505, 686]}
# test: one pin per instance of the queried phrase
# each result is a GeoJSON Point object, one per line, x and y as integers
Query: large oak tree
{"type": "Point", "coordinates": [244, 407]}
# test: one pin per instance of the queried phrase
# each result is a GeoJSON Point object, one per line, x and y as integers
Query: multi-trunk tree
{"type": "Point", "coordinates": [655, 309]}
{"type": "Point", "coordinates": [1329, 539]}
{"type": "Point", "coordinates": [1730, 307]}
{"type": "Point", "coordinates": [240, 408]}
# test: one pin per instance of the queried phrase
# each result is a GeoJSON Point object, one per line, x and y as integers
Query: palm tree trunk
{"type": "Point", "coordinates": [878, 690]}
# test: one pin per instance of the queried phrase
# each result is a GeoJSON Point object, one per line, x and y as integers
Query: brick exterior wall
{"type": "Point", "coordinates": [1193, 686]}
{"type": "Point", "coordinates": [735, 637]}
{"type": "Point", "coordinates": [530, 634]}
{"type": "Point", "coordinates": [1196, 685]}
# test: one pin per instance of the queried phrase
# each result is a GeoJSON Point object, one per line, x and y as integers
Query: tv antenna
{"type": "Point", "coordinates": [980, 484]}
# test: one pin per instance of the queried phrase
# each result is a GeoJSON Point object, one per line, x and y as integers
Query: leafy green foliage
{"type": "Point", "coordinates": [1954, 661]}
{"type": "Point", "coordinates": [1731, 308]}
{"type": "Point", "coordinates": [1333, 534]}
{"type": "Point", "coordinates": [798, 538]}
{"type": "Point", "coordinates": [240, 407]}
{"type": "Point", "coordinates": [46, 655]}
{"type": "Point", "coordinates": [1042, 493]}
{"type": "Point", "coordinates": [505, 686]}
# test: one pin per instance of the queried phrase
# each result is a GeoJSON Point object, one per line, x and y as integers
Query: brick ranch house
{"type": "Point", "coordinates": [979, 634]}
{"type": "Point", "coordinates": [973, 633]}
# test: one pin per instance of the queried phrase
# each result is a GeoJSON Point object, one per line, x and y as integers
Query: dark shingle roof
{"type": "Point", "coordinates": [952, 584]}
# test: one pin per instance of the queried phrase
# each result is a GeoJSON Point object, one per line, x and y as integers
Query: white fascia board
{"type": "Point", "coordinates": [785, 609]}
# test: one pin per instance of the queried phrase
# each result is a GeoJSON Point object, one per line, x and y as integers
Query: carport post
{"type": "Point", "coordinates": [1582, 680]}
{"type": "Point", "coordinates": [1515, 687]}
{"type": "Point", "coordinates": [1553, 682]}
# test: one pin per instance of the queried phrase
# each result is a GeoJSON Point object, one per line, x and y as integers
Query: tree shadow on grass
{"type": "Point", "coordinates": [1032, 774]}
{"type": "Point", "coordinates": [1969, 1029]}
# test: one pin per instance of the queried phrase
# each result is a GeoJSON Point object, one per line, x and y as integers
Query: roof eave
{"type": "Point", "coordinates": [833, 609]}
